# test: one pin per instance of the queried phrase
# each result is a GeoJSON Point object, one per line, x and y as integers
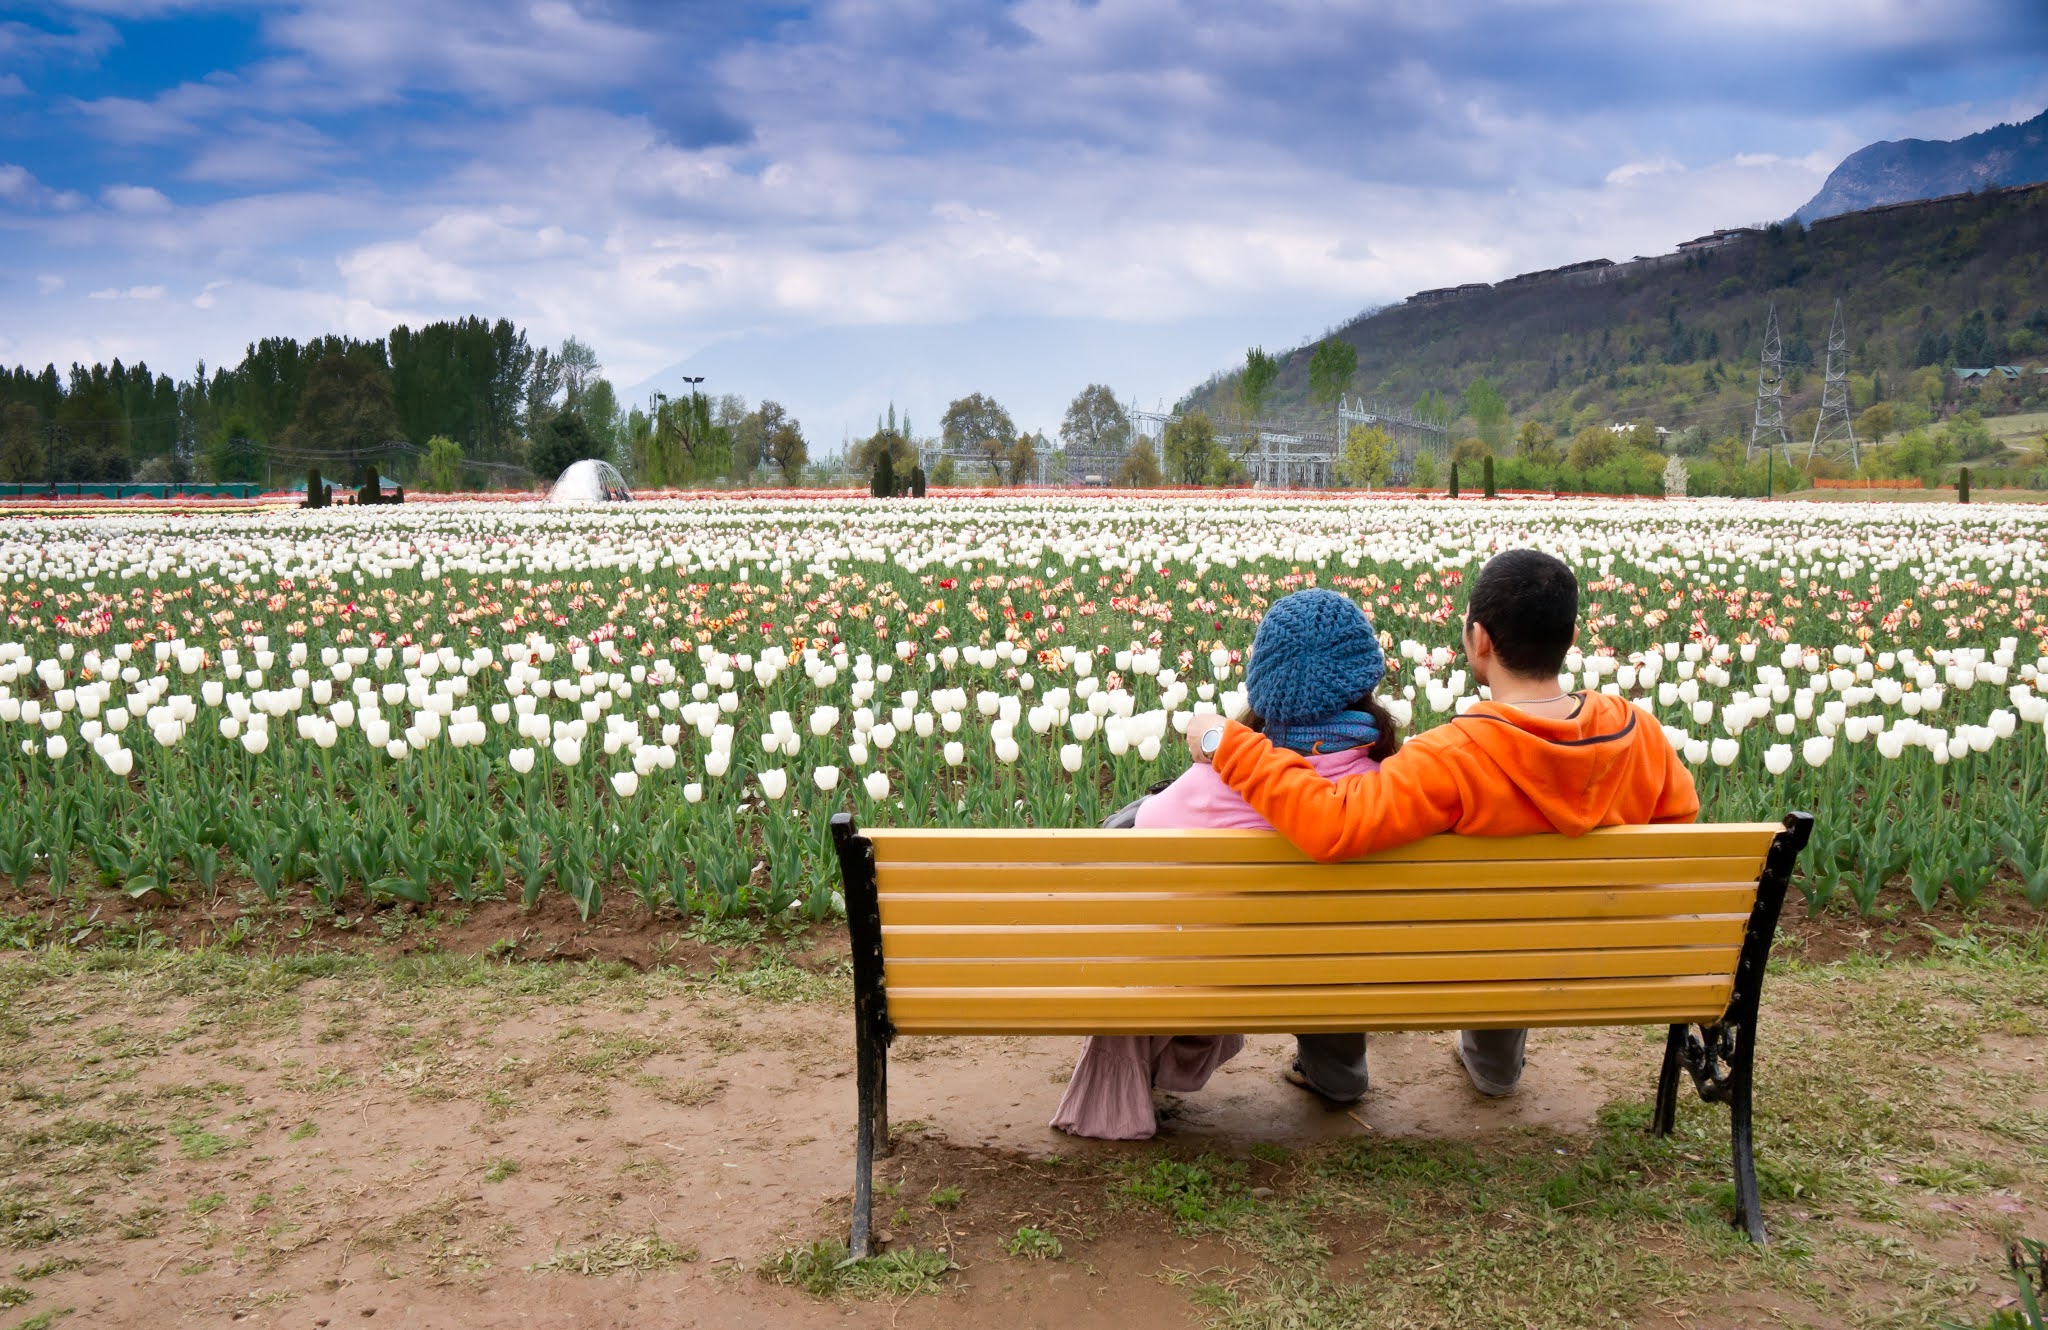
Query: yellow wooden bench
{"type": "Point", "coordinates": [1212, 932]}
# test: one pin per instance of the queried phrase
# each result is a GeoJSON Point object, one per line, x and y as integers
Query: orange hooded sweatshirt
{"type": "Point", "coordinates": [1494, 771]}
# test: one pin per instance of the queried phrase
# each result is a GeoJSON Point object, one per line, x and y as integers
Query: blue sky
{"type": "Point", "coordinates": [838, 204]}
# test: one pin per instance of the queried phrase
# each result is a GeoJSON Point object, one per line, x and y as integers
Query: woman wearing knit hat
{"type": "Point", "coordinates": [1315, 663]}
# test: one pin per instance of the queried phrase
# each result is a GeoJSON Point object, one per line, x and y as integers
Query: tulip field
{"type": "Point", "coordinates": [657, 706]}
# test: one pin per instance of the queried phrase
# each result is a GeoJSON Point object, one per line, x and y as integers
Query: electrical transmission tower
{"type": "Point", "coordinates": [1833, 435]}
{"type": "Point", "coordinates": [1768, 431]}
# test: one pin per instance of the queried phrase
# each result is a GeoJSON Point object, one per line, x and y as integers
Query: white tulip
{"type": "Point", "coordinates": [1070, 758]}
{"type": "Point", "coordinates": [120, 761]}
{"type": "Point", "coordinates": [877, 785]}
{"type": "Point", "coordinates": [521, 760]}
{"type": "Point", "coordinates": [568, 750]}
{"type": "Point", "coordinates": [1725, 752]}
{"type": "Point", "coordinates": [954, 753]}
{"type": "Point", "coordinates": [693, 793]}
{"type": "Point", "coordinates": [827, 778]}
{"type": "Point", "coordinates": [1696, 751]}
{"type": "Point", "coordinates": [56, 746]}
{"type": "Point", "coordinates": [1778, 759]}
{"type": "Point", "coordinates": [1818, 750]}
{"type": "Point", "coordinates": [774, 782]}
{"type": "Point", "coordinates": [626, 783]}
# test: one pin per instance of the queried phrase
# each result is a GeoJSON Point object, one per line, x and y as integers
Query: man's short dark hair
{"type": "Point", "coordinates": [1528, 602]}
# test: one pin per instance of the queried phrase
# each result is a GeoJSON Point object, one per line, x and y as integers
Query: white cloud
{"type": "Point", "coordinates": [48, 283]}
{"type": "Point", "coordinates": [23, 190]}
{"type": "Point", "coordinates": [130, 293]}
{"type": "Point", "coordinates": [12, 86]}
{"type": "Point", "coordinates": [1623, 174]}
{"type": "Point", "coordinates": [135, 199]}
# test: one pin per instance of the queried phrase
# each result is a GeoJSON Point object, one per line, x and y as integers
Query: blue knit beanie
{"type": "Point", "coordinates": [1315, 652]}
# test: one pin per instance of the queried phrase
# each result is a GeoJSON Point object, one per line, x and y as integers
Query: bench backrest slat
{"type": "Point", "coordinates": [1215, 931]}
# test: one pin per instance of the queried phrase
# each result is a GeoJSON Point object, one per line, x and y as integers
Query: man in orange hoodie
{"type": "Point", "coordinates": [1534, 757]}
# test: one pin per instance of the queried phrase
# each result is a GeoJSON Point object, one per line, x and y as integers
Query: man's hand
{"type": "Point", "coordinates": [1198, 726]}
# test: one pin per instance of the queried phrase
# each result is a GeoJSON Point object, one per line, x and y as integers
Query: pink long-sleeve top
{"type": "Point", "coordinates": [1201, 799]}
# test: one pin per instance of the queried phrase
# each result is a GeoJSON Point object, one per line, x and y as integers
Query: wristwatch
{"type": "Point", "coordinates": [1211, 741]}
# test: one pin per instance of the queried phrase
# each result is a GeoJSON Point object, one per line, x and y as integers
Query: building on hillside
{"type": "Point", "coordinates": [1727, 235]}
{"type": "Point", "coordinates": [1966, 374]}
{"type": "Point", "coordinates": [1438, 294]}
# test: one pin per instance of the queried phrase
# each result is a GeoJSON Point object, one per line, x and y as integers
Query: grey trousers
{"type": "Point", "coordinates": [1335, 1063]}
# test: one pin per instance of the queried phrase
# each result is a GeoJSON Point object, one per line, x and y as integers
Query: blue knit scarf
{"type": "Point", "coordinates": [1332, 734]}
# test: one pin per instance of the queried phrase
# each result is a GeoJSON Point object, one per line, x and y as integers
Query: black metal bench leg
{"type": "Point", "coordinates": [1664, 1114]}
{"type": "Point", "coordinates": [1749, 1209]}
{"type": "Point", "coordinates": [871, 1075]}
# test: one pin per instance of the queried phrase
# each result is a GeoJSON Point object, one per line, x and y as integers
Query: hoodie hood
{"type": "Point", "coordinates": [1573, 769]}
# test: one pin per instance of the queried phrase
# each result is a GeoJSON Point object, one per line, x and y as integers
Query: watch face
{"type": "Point", "coordinates": [1212, 741]}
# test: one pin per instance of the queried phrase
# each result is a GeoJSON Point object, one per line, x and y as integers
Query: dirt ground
{"type": "Point", "coordinates": [346, 1143]}
{"type": "Point", "coordinates": [192, 1137]}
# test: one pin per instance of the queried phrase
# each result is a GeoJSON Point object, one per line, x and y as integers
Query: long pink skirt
{"type": "Point", "coordinates": [1110, 1094]}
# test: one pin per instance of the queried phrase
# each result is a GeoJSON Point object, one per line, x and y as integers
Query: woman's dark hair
{"type": "Point", "coordinates": [1384, 747]}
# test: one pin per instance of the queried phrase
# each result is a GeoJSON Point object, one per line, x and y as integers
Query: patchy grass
{"type": "Point", "coordinates": [1034, 1244]}
{"type": "Point", "coordinates": [640, 1253]}
{"type": "Point", "coordinates": [825, 1270]}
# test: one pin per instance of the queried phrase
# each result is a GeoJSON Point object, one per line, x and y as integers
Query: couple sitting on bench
{"type": "Point", "coordinates": [1317, 758]}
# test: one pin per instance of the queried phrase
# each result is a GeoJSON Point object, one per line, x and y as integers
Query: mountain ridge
{"type": "Point", "coordinates": [1675, 337]}
{"type": "Point", "coordinates": [1901, 170]}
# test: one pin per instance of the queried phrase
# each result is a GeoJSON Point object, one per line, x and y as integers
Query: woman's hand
{"type": "Point", "coordinates": [1198, 728]}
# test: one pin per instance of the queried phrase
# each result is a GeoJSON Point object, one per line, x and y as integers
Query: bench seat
{"type": "Point", "coordinates": [1211, 932]}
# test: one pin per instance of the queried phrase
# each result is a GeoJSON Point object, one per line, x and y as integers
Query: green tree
{"type": "Point", "coordinates": [1536, 442]}
{"type": "Point", "coordinates": [977, 424]}
{"type": "Point", "coordinates": [22, 458]}
{"type": "Point", "coordinates": [882, 483]}
{"type": "Point", "coordinates": [1876, 421]}
{"type": "Point", "coordinates": [578, 368]}
{"type": "Point", "coordinates": [1096, 422]}
{"type": "Point", "coordinates": [1330, 367]}
{"type": "Point", "coordinates": [1591, 447]}
{"type": "Point", "coordinates": [1368, 457]}
{"type": "Point", "coordinates": [866, 453]}
{"type": "Point", "coordinates": [599, 404]}
{"type": "Point", "coordinates": [1140, 467]}
{"type": "Point", "coordinates": [1189, 447]}
{"type": "Point", "coordinates": [441, 473]}
{"type": "Point", "coordinates": [942, 473]}
{"type": "Point", "coordinates": [1489, 412]}
{"type": "Point", "coordinates": [1260, 370]}
{"type": "Point", "coordinates": [564, 441]}
{"type": "Point", "coordinates": [1022, 459]}
{"type": "Point", "coordinates": [782, 442]}
{"type": "Point", "coordinates": [345, 410]}
{"type": "Point", "coordinates": [235, 452]}
{"type": "Point", "coordinates": [1423, 472]}
{"type": "Point", "coordinates": [749, 445]}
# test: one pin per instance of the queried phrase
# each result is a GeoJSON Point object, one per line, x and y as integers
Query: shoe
{"type": "Point", "coordinates": [1294, 1075]}
{"type": "Point", "coordinates": [1491, 1089]}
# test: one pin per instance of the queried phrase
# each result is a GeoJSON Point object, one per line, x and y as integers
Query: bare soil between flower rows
{"type": "Point", "coordinates": [623, 931]}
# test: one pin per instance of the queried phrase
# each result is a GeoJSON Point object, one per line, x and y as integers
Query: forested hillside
{"type": "Point", "coordinates": [1676, 341]}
